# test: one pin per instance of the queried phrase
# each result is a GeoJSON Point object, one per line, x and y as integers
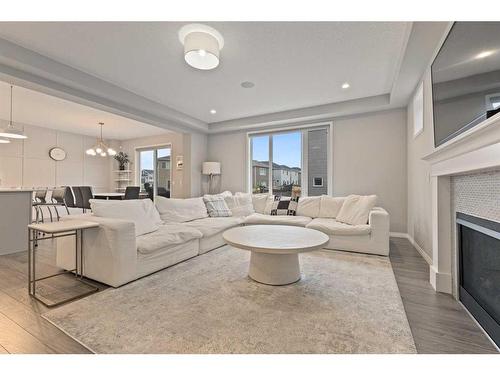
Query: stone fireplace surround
{"type": "Point", "coordinates": [476, 150]}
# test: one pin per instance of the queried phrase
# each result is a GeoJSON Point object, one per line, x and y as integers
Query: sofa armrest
{"type": "Point", "coordinates": [379, 221]}
{"type": "Point", "coordinates": [110, 251]}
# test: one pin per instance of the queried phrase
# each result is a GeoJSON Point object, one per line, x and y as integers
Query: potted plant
{"type": "Point", "coordinates": [122, 159]}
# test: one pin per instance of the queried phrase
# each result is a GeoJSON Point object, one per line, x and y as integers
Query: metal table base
{"type": "Point", "coordinates": [33, 239]}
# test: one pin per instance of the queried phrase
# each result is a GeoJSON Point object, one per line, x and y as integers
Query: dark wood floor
{"type": "Point", "coordinates": [438, 322]}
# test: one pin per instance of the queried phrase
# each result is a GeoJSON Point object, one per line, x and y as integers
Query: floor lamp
{"type": "Point", "coordinates": [211, 169]}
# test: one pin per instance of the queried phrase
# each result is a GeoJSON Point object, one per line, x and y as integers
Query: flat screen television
{"type": "Point", "coordinates": [466, 79]}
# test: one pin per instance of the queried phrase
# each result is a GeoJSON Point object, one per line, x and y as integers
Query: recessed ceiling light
{"type": "Point", "coordinates": [484, 54]}
{"type": "Point", "coordinates": [247, 84]}
{"type": "Point", "coordinates": [213, 111]}
{"type": "Point", "coordinates": [346, 85]}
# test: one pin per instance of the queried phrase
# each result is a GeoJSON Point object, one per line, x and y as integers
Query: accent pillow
{"type": "Point", "coordinates": [240, 204]}
{"type": "Point", "coordinates": [309, 206]}
{"type": "Point", "coordinates": [140, 211]}
{"type": "Point", "coordinates": [329, 207]}
{"type": "Point", "coordinates": [356, 209]}
{"type": "Point", "coordinates": [259, 202]}
{"type": "Point", "coordinates": [284, 206]}
{"type": "Point", "coordinates": [181, 210]}
{"type": "Point", "coordinates": [216, 206]}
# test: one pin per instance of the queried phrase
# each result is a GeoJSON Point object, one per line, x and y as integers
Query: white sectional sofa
{"type": "Point", "coordinates": [137, 238]}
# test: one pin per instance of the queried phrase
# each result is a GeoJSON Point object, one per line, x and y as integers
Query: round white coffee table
{"type": "Point", "coordinates": [275, 249]}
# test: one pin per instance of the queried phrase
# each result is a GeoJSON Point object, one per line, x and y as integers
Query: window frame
{"type": "Point", "coordinates": [328, 125]}
{"type": "Point", "coordinates": [155, 149]}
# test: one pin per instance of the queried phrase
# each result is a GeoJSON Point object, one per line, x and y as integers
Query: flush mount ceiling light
{"type": "Point", "coordinates": [100, 147]}
{"type": "Point", "coordinates": [202, 45]}
{"type": "Point", "coordinates": [213, 111]}
{"type": "Point", "coordinates": [346, 85]}
{"type": "Point", "coordinates": [11, 131]}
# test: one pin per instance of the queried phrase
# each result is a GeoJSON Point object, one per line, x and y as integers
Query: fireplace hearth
{"type": "Point", "coordinates": [479, 270]}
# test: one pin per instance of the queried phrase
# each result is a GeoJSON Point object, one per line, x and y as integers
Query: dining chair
{"type": "Point", "coordinates": [132, 192]}
{"type": "Point", "coordinates": [78, 197]}
{"type": "Point", "coordinates": [87, 195]}
{"type": "Point", "coordinates": [162, 192]}
{"type": "Point", "coordinates": [57, 199]}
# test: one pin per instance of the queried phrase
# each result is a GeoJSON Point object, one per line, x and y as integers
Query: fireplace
{"type": "Point", "coordinates": [479, 270]}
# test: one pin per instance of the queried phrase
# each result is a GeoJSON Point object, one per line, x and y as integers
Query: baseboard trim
{"type": "Point", "coordinates": [421, 251]}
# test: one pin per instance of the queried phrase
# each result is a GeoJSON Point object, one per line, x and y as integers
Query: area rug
{"type": "Point", "coordinates": [345, 303]}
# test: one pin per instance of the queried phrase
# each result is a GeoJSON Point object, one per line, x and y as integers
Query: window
{"type": "Point", "coordinates": [281, 162]}
{"type": "Point", "coordinates": [418, 111]}
{"type": "Point", "coordinates": [154, 170]}
{"type": "Point", "coordinates": [317, 181]}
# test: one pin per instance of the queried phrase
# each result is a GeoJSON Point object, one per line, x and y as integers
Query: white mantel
{"type": "Point", "coordinates": [474, 150]}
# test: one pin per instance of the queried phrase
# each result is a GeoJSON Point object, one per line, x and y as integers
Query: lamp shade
{"type": "Point", "coordinates": [202, 45]}
{"type": "Point", "coordinates": [211, 167]}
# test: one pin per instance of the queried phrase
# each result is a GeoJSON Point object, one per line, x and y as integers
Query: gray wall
{"type": "Point", "coordinates": [369, 157]}
{"type": "Point", "coordinates": [318, 160]}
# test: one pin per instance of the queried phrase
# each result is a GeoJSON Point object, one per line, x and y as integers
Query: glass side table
{"type": "Point", "coordinates": [52, 231]}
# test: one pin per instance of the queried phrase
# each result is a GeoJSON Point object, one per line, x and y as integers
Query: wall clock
{"type": "Point", "coordinates": [57, 154]}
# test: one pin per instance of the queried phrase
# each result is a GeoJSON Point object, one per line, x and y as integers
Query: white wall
{"type": "Point", "coordinates": [27, 163]}
{"type": "Point", "coordinates": [419, 184]}
{"type": "Point", "coordinates": [369, 157]}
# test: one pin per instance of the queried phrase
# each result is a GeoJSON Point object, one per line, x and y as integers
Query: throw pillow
{"type": "Point", "coordinates": [356, 209]}
{"type": "Point", "coordinates": [216, 206]}
{"type": "Point", "coordinates": [284, 206]}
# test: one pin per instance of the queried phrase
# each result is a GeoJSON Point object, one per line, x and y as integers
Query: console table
{"type": "Point", "coordinates": [50, 231]}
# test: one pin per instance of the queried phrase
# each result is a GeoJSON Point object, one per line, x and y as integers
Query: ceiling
{"type": "Point", "coordinates": [293, 64]}
{"type": "Point", "coordinates": [34, 108]}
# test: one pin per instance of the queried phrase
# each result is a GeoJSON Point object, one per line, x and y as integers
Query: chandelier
{"type": "Point", "coordinates": [100, 147]}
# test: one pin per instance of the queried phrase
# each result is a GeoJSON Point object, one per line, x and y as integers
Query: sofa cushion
{"type": "Point", "coordinates": [240, 204]}
{"type": "Point", "coordinates": [356, 209]}
{"type": "Point", "coordinates": [261, 202]}
{"type": "Point", "coordinates": [333, 227]}
{"type": "Point", "coordinates": [216, 206]}
{"type": "Point", "coordinates": [181, 210]}
{"type": "Point", "coordinates": [256, 218]}
{"type": "Point", "coordinates": [308, 206]}
{"type": "Point", "coordinates": [213, 225]}
{"type": "Point", "coordinates": [329, 207]}
{"type": "Point", "coordinates": [140, 211]}
{"type": "Point", "coordinates": [166, 236]}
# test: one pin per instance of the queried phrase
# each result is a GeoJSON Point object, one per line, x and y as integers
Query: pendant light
{"type": "Point", "coordinates": [10, 131]}
{"type": "Point", "coordinates": [100, 148]}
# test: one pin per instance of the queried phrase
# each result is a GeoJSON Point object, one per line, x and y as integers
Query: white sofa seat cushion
{"type": "Point", "coordinates": [181, 210]}
{"type": "Point", "coordinates": [256, 218]}
{"type": "Point", "coordinates": [333, 227]}
{"type": "Point", "coordinates": [213, 225]}
{"type": "Point", "coordinates": [168, 235]}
